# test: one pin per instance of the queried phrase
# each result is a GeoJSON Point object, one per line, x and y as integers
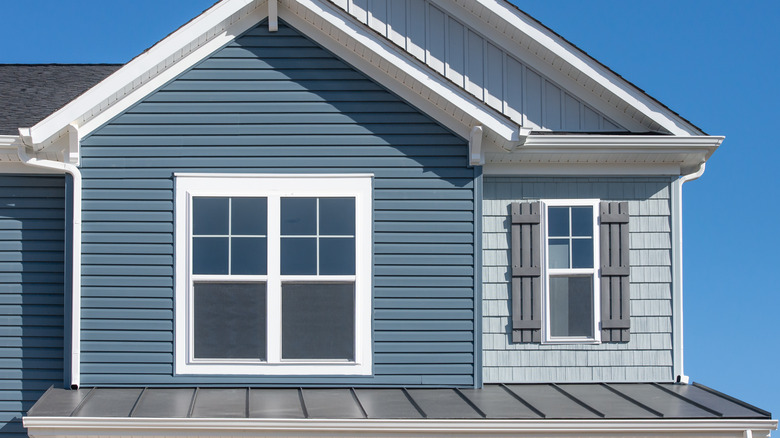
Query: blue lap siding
{"type": "Point", "coordinates": [31, 293]}
{"type": "Point", "coordinates": [278, 103]}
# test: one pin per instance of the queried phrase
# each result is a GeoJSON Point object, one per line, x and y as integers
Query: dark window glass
{"type": "Point", "coordinates": [571, 306]}
{"type": "Point", "coordinates": [337, 256]}
{"type": "Point", "coordinates": [229, 321]}
{"type": "Point", "coordinates": [249, 216]}
{"type": "Point", "coordinates": [299, 216]}
{"type": "Point", "coordinates": [318, 321]}
{"type": "Point", "coordinates": [558, 221]}
{"type": "Point", "coordinates": [210, 216]}
{"type": "Point", "coordinates": [248, 256]}
{"type": "Point", "coordinates": [582, 221]}
{"type": "Point", "coordinates": [210, 255]}
{"type": "Point", "coordinates": [299, 256]}
{"type": "Point", "coordinates": [582, 253]}
{"type": "Point", "coordinates": [337, 216]}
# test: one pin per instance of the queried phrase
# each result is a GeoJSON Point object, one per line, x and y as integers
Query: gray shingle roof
{"type": "Point", "coordinates": [649, 401]}
{"type": "Point", "coordinates": [30, 92]}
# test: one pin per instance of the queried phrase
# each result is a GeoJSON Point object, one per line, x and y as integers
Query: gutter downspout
{"type": "Point", "coordinates": [677, 273]}
{"type": "Point", "coordinates": [75, 304]}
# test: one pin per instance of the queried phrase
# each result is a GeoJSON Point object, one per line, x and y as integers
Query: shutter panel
{"type": "Point", "coordinates": [615, 270]}
{"type": "Point", "coordinates": [526, 272]}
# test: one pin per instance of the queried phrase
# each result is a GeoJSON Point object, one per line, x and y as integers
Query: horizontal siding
{"type": "Point", "coordinates": [468, 59]}
{"type": "Point", "coordinates": [648, 356]}
{"type": "Point", "coordinates": [31, 293]}
{"type": "Point", "coordinates": [271, 103]}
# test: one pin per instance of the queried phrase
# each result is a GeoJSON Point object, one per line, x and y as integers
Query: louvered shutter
{"type": "Point", "coordinates": [526, 272]}
{"type": "Point", "coordinates": [615, 270]}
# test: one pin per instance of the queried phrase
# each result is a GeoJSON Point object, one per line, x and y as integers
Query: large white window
{"type": "Point", "coordinates": [570, 279]}
{"type": "Point", "coordinates": [273, 274]}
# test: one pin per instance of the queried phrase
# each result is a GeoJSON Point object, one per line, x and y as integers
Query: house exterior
{"type": "Point", "coordinates": [312, 217]}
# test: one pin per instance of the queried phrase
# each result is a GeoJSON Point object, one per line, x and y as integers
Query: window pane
{"type": "Point", "coordinates": [249, 216]}
{"type": "Point", "coordinates": [318, 321]}
{"type": "Point", "coordinates": [337, 256]}
{"type": "Point", "coordinates": [559, 253]}
{"type": "Point", "coordinates": [582, 221]}
{"type": "Point", "coordinates": [337, 216]}
{"type": "Point", "coordinates": [299, 216]}
{"type": "Point", "coordinates": [571, 306]}
{"type": "Point", "coordinates": [210, 216]}
{"type": "Point", "coordinates": [248, 256]}
{"type": "Point", "coordinates": [558, 221]}
{"type": "Point", "coordinates": [299, 256]}
{"type": "Point", "coordinates": [210, 255]}
{"type": "Point", "coordinates": [582, 253]}
{"type": "Point", "coordinates": [229, 321]}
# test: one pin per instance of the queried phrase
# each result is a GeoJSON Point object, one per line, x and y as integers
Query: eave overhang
{"type": "Point", "coordinates": [86, 426]}
{"type": "Point", "coordinates": [635, 154]}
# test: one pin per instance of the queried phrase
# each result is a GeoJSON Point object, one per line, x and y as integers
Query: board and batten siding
{"type": "Point", "coordinates": [32, 235]}
{"type": "Point", "coordinates": [468, 59]}
{"type": "Point", "coordinates": [648, 356]}
{"type": "Point", "coordinates": [278, 103]}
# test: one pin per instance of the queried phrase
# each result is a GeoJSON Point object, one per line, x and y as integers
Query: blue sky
{"type": "Point", "coordinates": [714, 62]}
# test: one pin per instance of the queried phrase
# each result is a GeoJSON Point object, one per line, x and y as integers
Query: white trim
{"type": "Point", "coordinates": [92, 426]}
{"type": "Point", "coordinates": [631, 152]}
{"type": "Point", "coordinates": [592, 272]}
{"type": "Point", "coordinates": [395, 68]}
{"type": "Point", "coordinates": [274, 186]}
{"type": "Point", "coordinates": [579, 169]}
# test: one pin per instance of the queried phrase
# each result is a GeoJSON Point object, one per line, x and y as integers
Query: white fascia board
{"type": "Point", "coordinates": [147, 71]}
{"type": "Point", "coordinates": [582, 63]}
{"type": "Point", "coordinates": [579, 169]}
{"type": "Point", "coordinates": [395, 69]}
{"type": "Point", "coordinates": [90, 426]}
{"type": "Point", "coordinates": [611, 143]}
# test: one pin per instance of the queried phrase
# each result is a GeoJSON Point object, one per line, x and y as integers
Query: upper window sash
{"type": "Point", "coordinates": [590, 272]}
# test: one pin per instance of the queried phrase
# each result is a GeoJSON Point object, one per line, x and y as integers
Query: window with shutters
{"type": "Point", "coordinates": [273, 274]}
{"type": "Point", "coordinates": [570, 271]}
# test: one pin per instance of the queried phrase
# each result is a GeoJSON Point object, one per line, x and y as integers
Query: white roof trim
{"type": "Point", "coordinates": [567, 60]}
{"type": "Point", "coordinates": [370, 53]}
{"type": "Point", "coordinates": [664, 153]}
{"type": "Point", "coordinates": [90, 426]}
{"type": "Point", "coordinates": [127, 82]}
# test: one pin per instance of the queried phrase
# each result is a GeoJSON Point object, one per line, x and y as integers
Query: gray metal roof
{"type": "Point", "coordinates": [30, 92]}
{"type": "Point", "coordinates": [511, 401]}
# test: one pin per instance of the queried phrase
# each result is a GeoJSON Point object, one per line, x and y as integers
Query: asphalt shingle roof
{"type": "Point", "coordinates": [31, 92]}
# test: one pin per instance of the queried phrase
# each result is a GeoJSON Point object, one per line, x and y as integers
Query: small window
{"type": "Point", "coordinates": [570, 279]}
{"type": "Point", "coordinates": [273, 274]}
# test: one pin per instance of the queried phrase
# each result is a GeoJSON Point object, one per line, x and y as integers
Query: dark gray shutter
{"type": "Point", "coordinates": [526, 272]}
{"type": "Point", "coordinates": [615, 269]}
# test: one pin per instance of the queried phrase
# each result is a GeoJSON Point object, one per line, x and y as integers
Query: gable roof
{"type": "Point", "coordinates": [30, 92]}
{"type": "Point", "coordinates": [392, 66]}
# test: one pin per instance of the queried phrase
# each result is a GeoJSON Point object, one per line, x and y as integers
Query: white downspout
{"type": "Point", "coordinates": [75, 359]}
{"type": "Point", "coordinates": [677, 273]}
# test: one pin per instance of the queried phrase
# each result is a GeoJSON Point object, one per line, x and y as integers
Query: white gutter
{"type": "Point", "coordinates": [75, 309]}
{"type": "Point", "coordinates": [677, 272]}
{"type": "Point", "coordinates": [129, 426]}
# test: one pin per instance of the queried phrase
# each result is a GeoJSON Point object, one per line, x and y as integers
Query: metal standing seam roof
{"type": "Point", "coordinates": [646, 401]}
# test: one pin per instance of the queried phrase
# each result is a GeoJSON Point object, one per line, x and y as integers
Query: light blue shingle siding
{"type": "Point", "coordinates": [648, 356]}
{"type": "Point", "coordinates": [278, 103]}
{"type": "Point", "coordinates": [32, 233]}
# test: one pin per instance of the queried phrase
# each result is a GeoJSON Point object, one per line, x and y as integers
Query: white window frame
{"type": "Point", "coordinates": [547, 272]}
{"type": "Point", "coordinates": [273, 187]}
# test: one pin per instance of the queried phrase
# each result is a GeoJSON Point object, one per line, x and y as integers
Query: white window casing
{"type": "Point", "coordinates": [273, 187]}
{"type": "Point", "coordinates": [592, 272]}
